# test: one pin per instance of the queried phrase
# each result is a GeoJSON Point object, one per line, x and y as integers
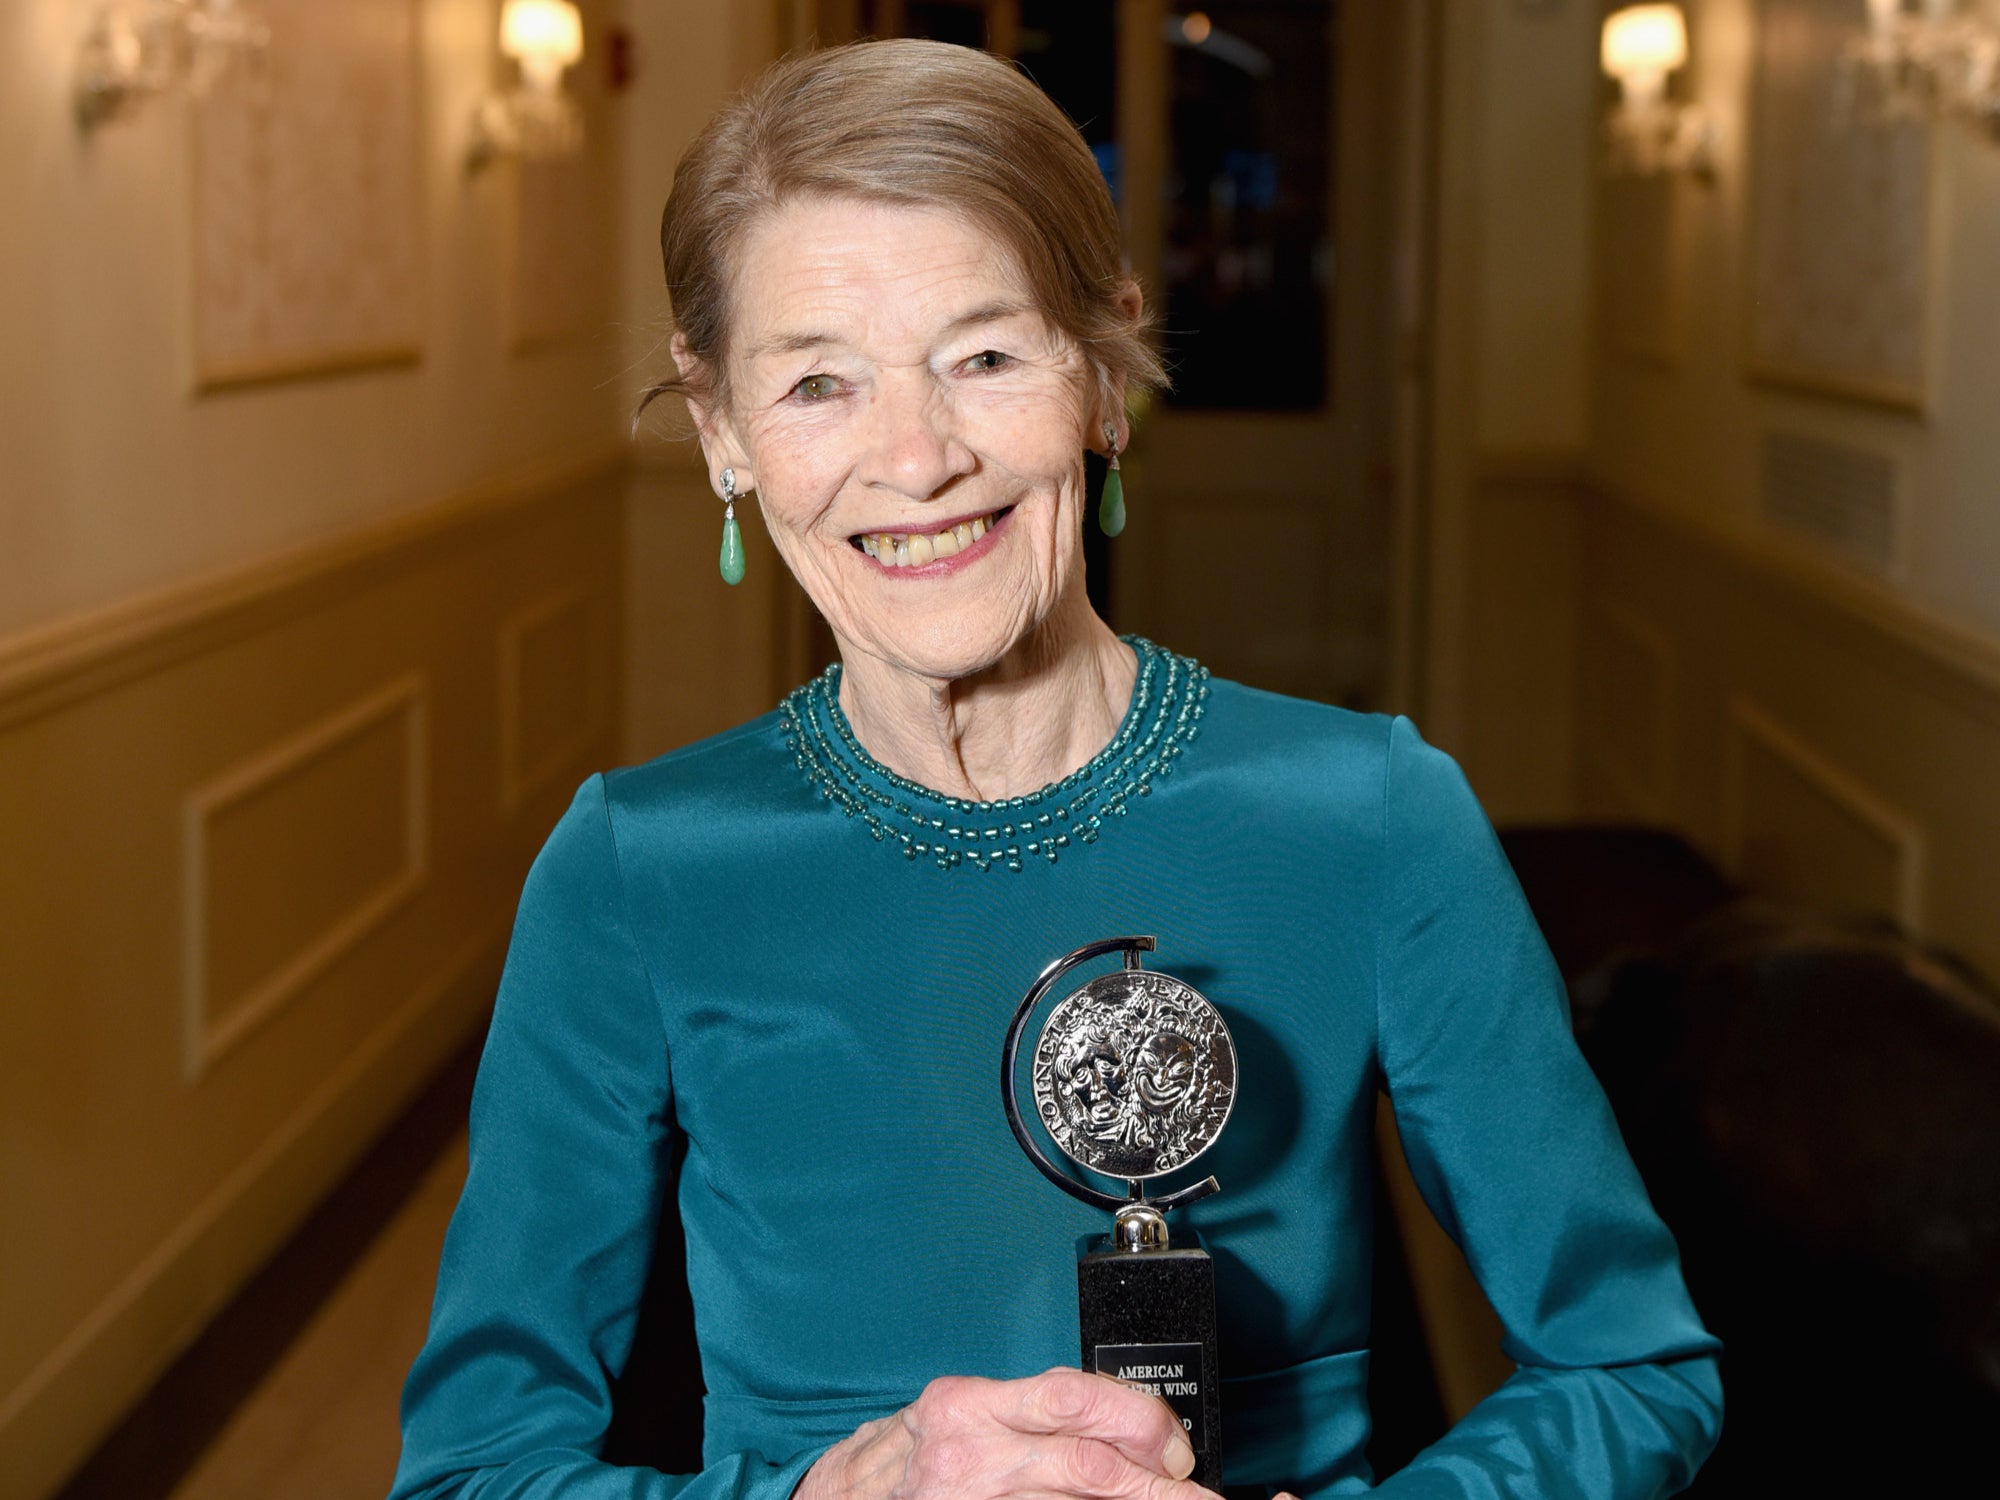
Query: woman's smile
{"type": "Point", "coordinates": [909, 419]}
{"type": "Point", "coordinates": [938, 552]}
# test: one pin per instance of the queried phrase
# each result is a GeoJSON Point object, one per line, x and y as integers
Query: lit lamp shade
{"type": "Point", "coordinates": [543, 36]}
{"type": "Point", "coordinates": [1642, 45]}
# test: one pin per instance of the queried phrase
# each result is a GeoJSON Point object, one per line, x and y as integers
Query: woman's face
{"type": "Point", "coordinates": [913, 427]}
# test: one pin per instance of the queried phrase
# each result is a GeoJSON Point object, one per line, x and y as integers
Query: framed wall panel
{"type": "Point", "coordinates": [223, 793]}
{"type": "Point", "coordinates": [1840, 219]}
{"type": "Point", "coordinates": [308, 201]}
{"type": "Point", "coordinates": [1799, 826]}
{"type": "Point", "coordinates": [293, 857]}
{"type": "Point", "coordinates": [553, 693]}
{"type": "Point", "coordinates": [1631, 672]}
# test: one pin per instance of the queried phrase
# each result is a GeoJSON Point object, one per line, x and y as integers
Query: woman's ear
{"type": "Point", "coordinates": [689, 369]}
{"type": "Point", "coordinates": [720, 447]}
{"type": "Point", "coordinates": [1132, 303]}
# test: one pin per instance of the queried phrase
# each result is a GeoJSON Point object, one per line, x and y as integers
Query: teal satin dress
{"type": "Point", "coordinates": [772, 947]}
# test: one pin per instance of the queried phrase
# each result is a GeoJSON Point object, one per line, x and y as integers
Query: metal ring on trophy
{"type": "Point", "coordinates": [1134, 1076]}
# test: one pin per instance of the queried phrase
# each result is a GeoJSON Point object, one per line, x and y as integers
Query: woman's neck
{"type": "Point", "coordinates": [1033, 717]}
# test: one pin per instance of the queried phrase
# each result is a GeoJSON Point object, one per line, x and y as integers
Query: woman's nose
{"type": "Point", "coordinates": [913, 446]}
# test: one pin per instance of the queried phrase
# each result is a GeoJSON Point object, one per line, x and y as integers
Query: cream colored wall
{"type": "Point", "coordinates": [1687, 434]}
{"type": "Point", "coordinates": [1529, 185]}
{"type": "Point", "coordinates": [1613, 631]}
{"type": "Point", "coordinates": [263, 836]}
{"type": "Point", "coordinates": [1498, 538]}
{"type": "Point", "coordinates": [700, 656]}
{"type": "Point", "coordinates": [293, 679]}
{"type": "Point", "coordinates": [1824, 731]}
{"type": "Point", "coordinates": [118, 480]}
{"type": "Point", "coordinates": [1534, 112]}
{"type": "Point", "coordinates": [1820, 739]}
{"type": "Point", "coordinates": [1507, 346]}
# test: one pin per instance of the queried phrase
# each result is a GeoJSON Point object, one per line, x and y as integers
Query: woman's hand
{"type": "Point", "coordinates": [1064, 1433]}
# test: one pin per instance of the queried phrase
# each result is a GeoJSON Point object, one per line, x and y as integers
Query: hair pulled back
{"type": "Point", "coordinates": [910, 123]}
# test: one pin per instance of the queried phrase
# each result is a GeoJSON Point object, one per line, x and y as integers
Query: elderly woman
{"type": "Point", "coordinates": [793, 949]}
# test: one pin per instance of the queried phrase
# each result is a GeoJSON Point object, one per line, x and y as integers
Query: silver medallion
{"type": "Point", "coordinates": [1134, 1074]}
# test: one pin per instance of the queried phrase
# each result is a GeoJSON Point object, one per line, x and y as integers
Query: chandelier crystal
{"type": "Point", "coordinates": [1936, 61]}
{"type": "Point", "coordinates": [138, 48]}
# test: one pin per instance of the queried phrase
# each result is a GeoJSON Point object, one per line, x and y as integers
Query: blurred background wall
{"type": "Point", "coordinates": [1714, 572]}
{"type": "Point", "coordinates": [1710, 541]}
{"type": "Point", "coordinates": [308, 628]}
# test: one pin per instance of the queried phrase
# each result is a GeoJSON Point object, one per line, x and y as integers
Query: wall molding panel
{"type": "Point", "coordinates": [44, 669]}
{"type": "Point", "coordinates": [216, 1021]}
{"type": "Point", "coordinates": [1871, 615]}
{"type": "Point", "coordinates": [1797, 825]}
{"type": "Point", "coordinates": [277, 1183]}
{"type": "Point", "coordinates": [273, 872]}
{"type": "Point", "coordinates": [1825, 739]}
{"type": "Point", "coordinates": [1631, 671]}
{"type": "Point", "coordinates": [553, 692]}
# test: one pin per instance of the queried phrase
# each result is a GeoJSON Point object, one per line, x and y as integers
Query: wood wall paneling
{"type": "Point", "coordinates": [258, 830]}
{"type": "Point", "coordinates": [554, 691]}
{"type": "Point", "coordinates": [1809, 729]}
{"type": "Point", "coordinates": [1827, 741]}
{"type": "Point", "coordinates": [1628, 688]}
{"type": "Point", "coordinates": [1521, 647]}
{"type": "Point", "coordinates": [1798, 826]}
{"type": "Point", "coordinates": [293, 858]}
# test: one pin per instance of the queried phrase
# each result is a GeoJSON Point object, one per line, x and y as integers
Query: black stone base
{"type": "Point", "coordinates": [1148, 1318]}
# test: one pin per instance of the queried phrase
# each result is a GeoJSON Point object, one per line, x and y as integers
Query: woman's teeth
{"type": "Point", "coordinates": [913, 551]}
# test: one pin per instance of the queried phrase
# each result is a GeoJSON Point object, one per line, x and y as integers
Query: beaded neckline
{"type": "Point", "coordinates": [1168, 700]}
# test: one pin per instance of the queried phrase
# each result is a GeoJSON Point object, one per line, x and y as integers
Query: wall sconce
{"type": "Point", "coordinates": [1931, 63]}
{"type": "Point", "coordinates": [1648, 133]}
{"type": "Point", "coordinates": [137, 49]}
{"type": "Point", "coordinates": [535, 119]}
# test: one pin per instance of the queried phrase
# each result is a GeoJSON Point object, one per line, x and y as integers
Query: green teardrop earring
{"type": "Point", "coordinates": [732, 534]}
{"type": "Point", "coordinates": [1111, 508]}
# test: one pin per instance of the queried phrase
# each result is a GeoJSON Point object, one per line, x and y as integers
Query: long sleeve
{"type": "Point", "coordinates": [1516, 1151]}
{"type": "Point", "coordinates": [549, 1248]}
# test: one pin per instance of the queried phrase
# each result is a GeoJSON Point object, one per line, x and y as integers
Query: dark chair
{"type": "Point", "coordinates": [1601, 893]}
{"type": "Point", "coordinates": [1815, 1106]}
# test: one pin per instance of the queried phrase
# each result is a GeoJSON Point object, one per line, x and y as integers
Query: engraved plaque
{"type": "Point", "coordinates": [1170, 1371]}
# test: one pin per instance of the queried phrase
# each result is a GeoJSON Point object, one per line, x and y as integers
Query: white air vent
{"type": "Point", "coordinates": [1842, 497]}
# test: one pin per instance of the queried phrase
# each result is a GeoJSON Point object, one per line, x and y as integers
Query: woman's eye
{"type": "Point", "coordinates": [989, 359]}
{"type": "Point", "coordinates": [816, 387]}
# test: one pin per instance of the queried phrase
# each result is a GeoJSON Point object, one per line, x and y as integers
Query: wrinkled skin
{"type": "Point", "coordinates": [1059, 1434]}
{"type": "Point", "coordinates": [889, 373]}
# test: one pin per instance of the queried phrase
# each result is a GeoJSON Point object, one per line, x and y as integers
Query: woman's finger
{"type": "Point", "coordinates": [1077, 1404]}
{"type": "Point", "coordinates": [1089, 1469]}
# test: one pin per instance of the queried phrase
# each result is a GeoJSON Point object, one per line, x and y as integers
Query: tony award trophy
{"type": "Point", "coordinates": [1133, 1077]}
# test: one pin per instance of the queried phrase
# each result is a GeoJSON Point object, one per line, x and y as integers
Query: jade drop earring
{"type": "Point", "coordinates": [732, 535]}
{"type": "Point", "coordinates": [1111, 509]}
